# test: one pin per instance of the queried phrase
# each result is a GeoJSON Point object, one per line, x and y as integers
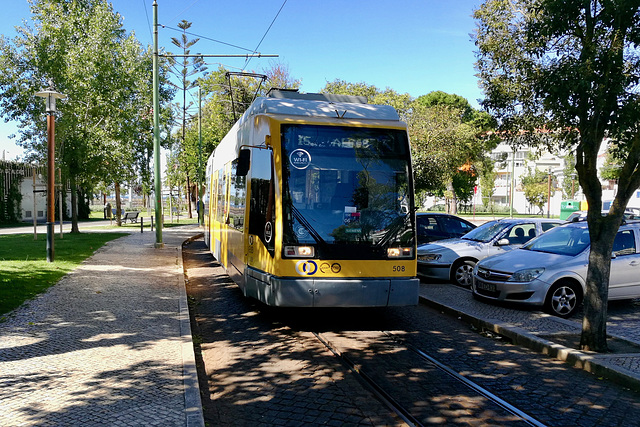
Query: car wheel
{"type": "Point", "coordinates": [462, 273]}
{"type": "Point", "coordinates": [563, 299]}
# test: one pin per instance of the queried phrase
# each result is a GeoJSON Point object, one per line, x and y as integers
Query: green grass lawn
{"type": "Point", "coordinates": [24, 270]}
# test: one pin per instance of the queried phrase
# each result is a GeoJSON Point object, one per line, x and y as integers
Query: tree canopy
{"type": "Point", "coordinates": [80, 49]}
{"type": "Point", "coordinates": [571, 68]}
{"type": "Point", "coordinates": [536, 188]}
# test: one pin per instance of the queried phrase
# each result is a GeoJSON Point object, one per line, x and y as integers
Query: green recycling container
{"type": "Point", "coordinates": [567, 207]}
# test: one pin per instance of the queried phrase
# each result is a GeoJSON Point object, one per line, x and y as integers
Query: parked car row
{"type": "Point", "coordinates": [454, 259]}
{"type": "Point", "coordinates": [537, 262]}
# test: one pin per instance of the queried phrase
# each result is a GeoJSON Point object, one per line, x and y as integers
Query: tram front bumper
{"type": "Point", "coordinates": [294, 292]}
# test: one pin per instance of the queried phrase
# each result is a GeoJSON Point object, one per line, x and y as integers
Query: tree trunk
{"type": "Point", "coordinates": [118, 205]}
{"type": "Point", "coordinates": [189, 196]}
{"type": "Point", "coordinates": [451, 199]}
{"type": "Point", "coordinates": [603, 231]}
{"type": "Point", "coordinates": [594, 323]}
{"type": "Point", "coordinates": [74, 206]}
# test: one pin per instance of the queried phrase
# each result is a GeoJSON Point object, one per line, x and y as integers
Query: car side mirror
{"type": "Point", "coordinates": [502, 242]}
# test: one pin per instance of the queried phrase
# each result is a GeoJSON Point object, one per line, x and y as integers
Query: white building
{"type": "Point", "coordinates": [515, 164]}
{"type": "Point", "coordinates": [33, 187]}
{"type": "Point", "coordinates": [511, 166]}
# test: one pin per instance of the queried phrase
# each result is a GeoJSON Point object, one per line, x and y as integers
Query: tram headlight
{"type": "Point", "coordinates": [399, 252]}
{"type": "Point", "coordinates": [299, 251]}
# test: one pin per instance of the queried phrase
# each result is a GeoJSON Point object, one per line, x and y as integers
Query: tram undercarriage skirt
{"type": "Point", "coordinates": [343, 292]}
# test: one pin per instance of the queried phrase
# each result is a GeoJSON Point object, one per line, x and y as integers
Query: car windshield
{"type": "Point", "coordinates": [486, 232]}
{"type": "Point", "coordinates": [561, 241]}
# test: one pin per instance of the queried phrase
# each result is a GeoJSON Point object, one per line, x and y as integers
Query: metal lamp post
{"type": "Point", "coordinates": [50, 97]}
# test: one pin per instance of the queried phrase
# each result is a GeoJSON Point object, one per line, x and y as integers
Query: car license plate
{"type": "Point", "coordinates": [491, 287]}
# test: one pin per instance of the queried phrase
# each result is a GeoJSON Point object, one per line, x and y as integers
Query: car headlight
{"type": "Point", "coordinates": [429, 257]}
{"type": "Point", "coordinates": [526, 275]}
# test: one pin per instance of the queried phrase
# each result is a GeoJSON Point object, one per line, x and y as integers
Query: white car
{"type": "Point", "coordinates": [582, 215]}
{"type": "Point", "coordinates": [551, 271]}
{"type": "Point", "coordinates": [454, 259]}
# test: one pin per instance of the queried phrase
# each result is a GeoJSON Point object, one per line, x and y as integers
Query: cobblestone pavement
{"type": "Point", "coordinates": [256, 371]}
{"type": "Point", "coordinates": [110, 344]}
{"type": "Point", "coordinates": [550, 334]}
{"type": "Point", "coordinates": [260, 366]}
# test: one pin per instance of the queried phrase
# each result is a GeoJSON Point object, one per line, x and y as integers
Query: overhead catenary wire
{"type": "Point", "coordinates": [265, 33]}
{"type": "Point", "coordinates": [146, 12]}
{"type": "Point", "coordinates": [185, 9]}
{"type": "Point", "coordinates": [206, 55]}
{"type": "Point", "coordinates": [207, 38]}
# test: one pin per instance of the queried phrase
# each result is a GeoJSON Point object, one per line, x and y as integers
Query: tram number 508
{"type": "Point", "coordinates": [398, 268]}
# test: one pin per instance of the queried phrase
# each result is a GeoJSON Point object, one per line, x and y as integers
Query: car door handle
{"type": "Point", "coordinates": [633, 263]}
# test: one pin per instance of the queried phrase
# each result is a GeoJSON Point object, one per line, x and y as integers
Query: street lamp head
{"type": "Point", "coordinates": [50, 97]}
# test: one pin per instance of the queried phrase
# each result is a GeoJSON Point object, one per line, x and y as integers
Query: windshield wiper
{"type": "Point", "coordinates": [302, 220]}
{"type": "Point", "coordinates": [397, 224]}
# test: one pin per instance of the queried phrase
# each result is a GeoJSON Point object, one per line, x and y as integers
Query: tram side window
{"type": "Point", "coordinates": [220, 206]}
{"type": "Point", "coordinates": [237, 196]}
{"type": "Point", "coordinates": [261, 206]}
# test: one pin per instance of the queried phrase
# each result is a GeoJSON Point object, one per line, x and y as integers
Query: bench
{"type": "Point", "coordinates": [130, 216]}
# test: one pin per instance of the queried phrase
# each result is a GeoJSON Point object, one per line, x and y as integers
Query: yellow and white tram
{"type": "Point", "coordinates": [309, 203]}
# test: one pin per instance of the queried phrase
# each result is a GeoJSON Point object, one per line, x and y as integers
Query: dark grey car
{"type": "Point", "coordinates": [439, 226]}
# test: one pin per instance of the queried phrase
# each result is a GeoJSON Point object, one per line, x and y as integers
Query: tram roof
{"type": "Point", "coordinates": [314, 108]}
{"type": "Point", "coordinates": [321, 108]}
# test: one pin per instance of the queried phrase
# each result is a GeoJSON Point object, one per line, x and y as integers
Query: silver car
{"type": "Point", "coordinates": [551, 271]}
{"type": "Point", "coordinates": [454, 259]}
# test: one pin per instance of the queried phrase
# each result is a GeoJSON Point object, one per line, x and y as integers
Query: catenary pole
{"type": "Point", "coordinates": [200, 205]}
{"type": "Point", "coordinates": [157, 176]}
{"type": "Point", "coordinates": [156, 117]}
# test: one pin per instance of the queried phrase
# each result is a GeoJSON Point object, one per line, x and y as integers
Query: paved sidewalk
{"type": "Point", "coordinates": [545, 333]}
{"type": "Point", "coordinates": [110, 344]}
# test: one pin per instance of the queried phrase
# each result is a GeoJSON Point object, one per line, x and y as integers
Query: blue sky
{"type": "Point", "coordinates": [410, 46]}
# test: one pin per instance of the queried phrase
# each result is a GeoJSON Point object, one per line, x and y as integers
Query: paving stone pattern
{"type": "Point", "coordinates": [105, 345]}
{"type": "Point", "coordinates": [623, 323]}
{"type": "Point", "coordinates": [257, 371]}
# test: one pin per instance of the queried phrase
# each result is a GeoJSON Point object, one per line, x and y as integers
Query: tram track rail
{"type": "Point", "coordinates": [398, 408]}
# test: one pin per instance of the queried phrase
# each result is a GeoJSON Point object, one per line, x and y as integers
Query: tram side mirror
{"type": "Point", "coordinates": [244, 161]}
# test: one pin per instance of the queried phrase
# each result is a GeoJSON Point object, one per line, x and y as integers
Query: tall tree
{"type": "Point", "coordinates": [440, 146]}
{"type": "Point", "coordinates": [82, 50]}
{"type": "Point", "coordinates": [574, 67]}
{"type": "Point", "coordinates": [374, 95]}
{"type": "Point", "coordinates": [191, 65]}
{"type": "Point", "coordinates": [569, 185]}
{"type": "Point", "coordinates": [488, 177]}
{"type": "Point", "coordinates": [458, 137]}
{"type": "Point", "coordinates": [536, 188]}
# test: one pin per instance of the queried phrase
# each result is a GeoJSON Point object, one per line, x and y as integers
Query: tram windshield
{"type": "Point", "coordinates": [346, 187]}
